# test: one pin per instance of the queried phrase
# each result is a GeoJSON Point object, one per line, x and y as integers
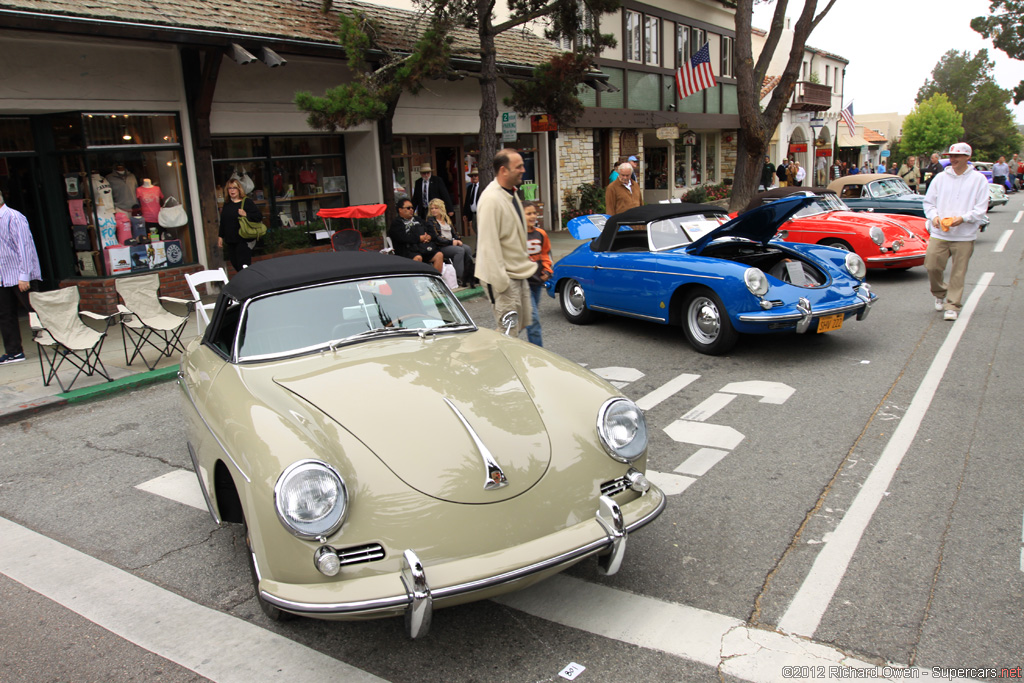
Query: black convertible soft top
{"type": "Point", "coordinates": [767, 196]}
{"type": "Point", "coordinates": [304, 269]}
{"type": "Point", "coordinates": [646, 214]}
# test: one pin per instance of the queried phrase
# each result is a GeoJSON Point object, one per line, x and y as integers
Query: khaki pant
{"type": "Point", "coordinates": [515, 298]}
{"type": "Point", "coordinates": [935, 259]}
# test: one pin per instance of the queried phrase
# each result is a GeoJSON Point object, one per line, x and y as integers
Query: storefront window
{"type": "Point", "coordinates": [126, 192]}
{"type": "Point", "coordinates": [656, 168]}
{"type": "Point", "coordinates": [696, 156]}
{"type": "Point", "coordinates": [15, 135]}
{"type": "Point", "coordinates": [117, 130]}
{"type": "Point", "coordinates": [288, 177]}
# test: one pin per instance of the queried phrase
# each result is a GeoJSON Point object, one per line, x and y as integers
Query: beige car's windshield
{"type": "Point", "coordinates": [331, 315]}
{"type": "Point", "coordinates": [889, 187]}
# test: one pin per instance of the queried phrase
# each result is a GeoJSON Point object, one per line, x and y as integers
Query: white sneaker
{"type": "Point", "coordinates": [949, 315]}
{"type": "Point", "coordinates": [939, 304]}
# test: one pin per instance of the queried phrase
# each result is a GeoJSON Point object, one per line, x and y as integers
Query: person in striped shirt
{"type": "Point", "coordinates": [19, 265]}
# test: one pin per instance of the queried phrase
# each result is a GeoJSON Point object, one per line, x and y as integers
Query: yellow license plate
{"type": "Point", "coordinates": [828, 323]}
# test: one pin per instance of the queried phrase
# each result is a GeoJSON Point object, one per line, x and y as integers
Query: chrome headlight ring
{"type": "Point", "coordinates": [622, 428]}
{"type": "Point", "coordinates": [756, 282]}
{"type": "Point", "coordinates": [311, 499]}
{"type": "Point", "coordinates": [855, 266]}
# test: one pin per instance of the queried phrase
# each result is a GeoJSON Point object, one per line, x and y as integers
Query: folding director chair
{"type": "Point", "coordinates": [205, 303]}
{"type": "Point", "coordinates": [146, 319]}
{"type": "Point", "coordinates": [64, 333]}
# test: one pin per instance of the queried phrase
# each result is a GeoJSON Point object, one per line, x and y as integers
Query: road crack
{"type": "Point", "coordinates": [755, 615]}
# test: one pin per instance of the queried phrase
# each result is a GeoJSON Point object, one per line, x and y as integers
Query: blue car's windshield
{"type": "Point", "coordinates": [677, 231]}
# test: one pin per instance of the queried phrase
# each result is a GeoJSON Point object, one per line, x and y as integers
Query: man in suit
{"type": "Point", "coordinates": [428, 187]}
{"type": "Point", "coordinates": [469, 208]}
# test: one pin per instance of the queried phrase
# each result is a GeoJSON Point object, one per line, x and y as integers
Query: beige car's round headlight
{"type": "Point", "coordinates": [623, 429]}
{"type": "Point", "coordinates": [311, 499]}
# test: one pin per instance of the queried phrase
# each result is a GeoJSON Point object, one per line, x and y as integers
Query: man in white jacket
{"type": "Point", "coordinates": [955, 206]}
{"type": "Point", "coordinates": [502, 261]}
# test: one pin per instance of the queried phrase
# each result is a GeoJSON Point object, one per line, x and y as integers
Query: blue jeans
{"type": "Point", "coordinates": [533, 329]}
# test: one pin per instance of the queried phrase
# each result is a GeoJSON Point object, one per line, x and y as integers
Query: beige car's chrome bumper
{"type": "Point", "coordinates": [418, 588]}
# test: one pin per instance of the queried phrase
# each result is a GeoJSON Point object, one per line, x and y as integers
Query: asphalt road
{"type": "Point", "coordinates": [850, 499]}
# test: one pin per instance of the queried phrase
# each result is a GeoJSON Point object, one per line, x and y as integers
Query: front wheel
{"type": "Point", "coordinates": [706, 323]}
{"type": "Point", "coordinates": [573, 302]}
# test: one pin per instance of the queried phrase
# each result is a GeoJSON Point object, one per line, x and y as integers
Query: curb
{"type": "Point", "coordinates": [469, 293]}
{"type": "Point", "coordinates": [141, 379]}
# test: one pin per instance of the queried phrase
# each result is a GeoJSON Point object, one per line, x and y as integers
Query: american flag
{"type": "Point", "coordinates": [695, 75]}
{"type": "Point", "coordinates": [847, 115]}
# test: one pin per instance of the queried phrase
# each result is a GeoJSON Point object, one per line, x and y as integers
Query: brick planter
{"type": "Point", "coordinates": [99, 296]}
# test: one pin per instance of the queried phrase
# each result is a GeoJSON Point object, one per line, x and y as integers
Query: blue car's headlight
{"type": "Point", "coordinates": [756, 282]}
{"type": "Point", "coordinates": [876, 235]}
{"type": "Point", "coordinates": [311, 499]}
{"type": "Point", "coordinates": [855, 265]}
{"type": "Point", "coordinates": [623, 429]}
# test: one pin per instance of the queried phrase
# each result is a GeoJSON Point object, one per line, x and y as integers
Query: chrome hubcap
{"type": "Point", "coordinates": [705, 320]}
{"type": "Point", "coordinates": [575, 300]}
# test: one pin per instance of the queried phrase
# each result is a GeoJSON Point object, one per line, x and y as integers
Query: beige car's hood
{"type": "Point", "coordinates": [437, 411]}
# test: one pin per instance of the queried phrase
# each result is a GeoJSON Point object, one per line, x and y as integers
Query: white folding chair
{"type": "Point", "coordinates": [65, 333]}
{"type": "Point", "coordinates": [149, 319]}
{"type": "Point", "coordinates": [205, 302]}
{"type": "Point", "coordinates": [389, 247]}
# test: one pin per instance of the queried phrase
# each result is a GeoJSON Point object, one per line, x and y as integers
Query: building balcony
{"type": "Point", "coordinates": [809, 96]}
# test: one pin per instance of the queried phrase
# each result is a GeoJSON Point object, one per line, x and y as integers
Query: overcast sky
{"type": "Point", "coordinates": [893, 45]}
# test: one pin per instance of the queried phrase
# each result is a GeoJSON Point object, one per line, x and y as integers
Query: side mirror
{"type": "Point", "coordinates": [509, 321]}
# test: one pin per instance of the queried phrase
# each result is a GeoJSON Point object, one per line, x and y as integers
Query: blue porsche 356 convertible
{"type": "Point", "coordinates": [688, 265]}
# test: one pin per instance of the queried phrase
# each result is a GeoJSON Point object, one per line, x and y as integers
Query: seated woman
{"type": "Point", "coordinates": [446, 238]}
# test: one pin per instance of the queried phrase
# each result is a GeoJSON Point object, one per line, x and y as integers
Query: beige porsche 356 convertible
{"type": "Point", "coordinates": [389, 457]}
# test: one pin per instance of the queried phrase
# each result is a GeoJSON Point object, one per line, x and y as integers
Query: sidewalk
{"type": "Point", "coordinates": [22, 393]}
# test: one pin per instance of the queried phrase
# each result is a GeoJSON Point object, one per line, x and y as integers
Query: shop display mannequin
{"type": "Point", "coordinates": [150, 196]}
{"type": "Point", "coordinates": [102, 195]}
{"type": "Point", "coordinates": [123, 185]}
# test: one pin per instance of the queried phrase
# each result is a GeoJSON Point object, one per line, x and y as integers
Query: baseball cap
{"type": "Point", "coordinates": [633, 158]}
{"type": "Point", "coordinates": [959, 148]}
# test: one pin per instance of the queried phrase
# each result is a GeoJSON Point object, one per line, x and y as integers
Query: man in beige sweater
{"type": "Point", "coordinates": [502, 262]}
{"type": "Point", "coordinates": [623, 192]}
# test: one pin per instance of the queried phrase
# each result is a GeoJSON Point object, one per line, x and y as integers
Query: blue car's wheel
{"type": "Point", "coordinates": [706, 323]}
{"type": "Point", "coordinates": [573, 302]}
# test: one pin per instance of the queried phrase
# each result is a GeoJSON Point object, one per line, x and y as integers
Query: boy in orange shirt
{"type": "Point", "coordinates": [538, 247]}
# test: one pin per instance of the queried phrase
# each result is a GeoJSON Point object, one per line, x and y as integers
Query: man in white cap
{"type": "Point", "coordinates": [428, 187]}
{"type": "Point", "coordinates": [955, 206]}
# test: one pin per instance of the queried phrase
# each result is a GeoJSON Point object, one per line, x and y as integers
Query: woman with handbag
{"type": "Point", "coordinates": [448, 241]}
{"type": "Point", "coordinates": [237, 250]}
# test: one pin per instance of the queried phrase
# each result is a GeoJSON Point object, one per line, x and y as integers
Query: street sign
{"type": "Point", "coordinates": [667, 133]}
{"type": "Point", "coordinates": [508, 126]}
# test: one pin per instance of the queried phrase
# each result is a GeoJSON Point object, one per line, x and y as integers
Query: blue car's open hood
{"type": "Point", "coordinates": [587, 227]}
{"type": "Point", "coordinates": [758, 225]}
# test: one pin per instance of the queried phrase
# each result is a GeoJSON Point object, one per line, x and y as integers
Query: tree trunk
{"type": "Point", "coordinates": [488, 94]}
{"type": "Point", "coordinates": [385, 131]}
{"type": "Point", "coordinates": [749, 162]}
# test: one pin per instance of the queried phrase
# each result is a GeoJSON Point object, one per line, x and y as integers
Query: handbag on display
{"type": "Point", "coordinates": [246, 182]}
{"type": "Point", "coordinates": [250, 230]}
{"type": "Point", "coordinates": [307, 176]}
{"type": "Point", "coordinates": [172, 214]}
